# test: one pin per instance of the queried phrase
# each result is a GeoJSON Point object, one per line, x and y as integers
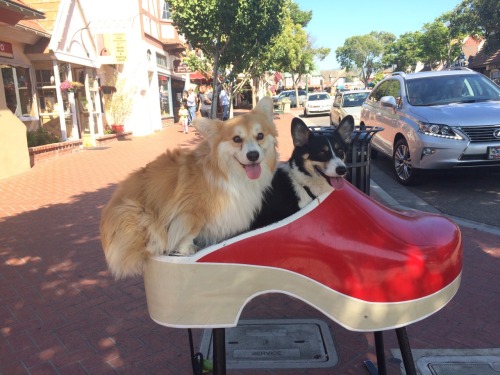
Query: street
{"type": "Point", "coordinates": [471, 194]}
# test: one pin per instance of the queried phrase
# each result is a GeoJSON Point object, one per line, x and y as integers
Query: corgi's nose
{"type": "Point", "coordinates": [341, 170]}
{"type": "Point", "coordinates": [253, 155]}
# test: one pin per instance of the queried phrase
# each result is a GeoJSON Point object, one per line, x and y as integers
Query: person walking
{"type": "Point", "coordinates": [205, 100]}
{"type": "Point", "coordinates": [191, 106]}
{"type": "Point", "coordinates": [224, 102]}
{"type": "Point", "coordinates": [183, 118]}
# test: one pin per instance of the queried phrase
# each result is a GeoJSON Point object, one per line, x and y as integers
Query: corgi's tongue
{"type": "Point", "coordinates": [253, 171]}
{"type": "Point", "coordinates": [337, 183]}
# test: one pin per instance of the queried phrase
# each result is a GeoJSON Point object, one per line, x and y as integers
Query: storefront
{"type": "Point", "coordinates": [17, 95]}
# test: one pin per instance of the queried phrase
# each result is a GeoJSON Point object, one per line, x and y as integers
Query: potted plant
{"type": "Point", "coordinates": [70, 86]}
{"type": "Point", "coordinates": [119, 105]}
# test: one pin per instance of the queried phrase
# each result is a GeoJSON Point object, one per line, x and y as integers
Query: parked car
{"type": "Point", "coordinates": [317, 103]}
{"type": "Point", "coordinates": [290, 94]}
{"type": "Point", "coordinates": [435, 120]}
{"type": "Point", "coordinates": [347, 103]}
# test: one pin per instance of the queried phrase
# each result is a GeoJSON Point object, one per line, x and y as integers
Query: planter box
{"type": "Point", "coordinates": [46, 152]}
{"type": "Point", "coordinates": [39, 154]}
{"type": "Point", "coordinates": [109, 138]}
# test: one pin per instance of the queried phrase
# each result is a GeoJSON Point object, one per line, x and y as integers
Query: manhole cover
{"type": "Point", "coordinates": [467, 365]}
{"type": "Point", "coordinates": [289, 343]}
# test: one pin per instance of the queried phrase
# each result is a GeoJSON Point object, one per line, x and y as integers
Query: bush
{"type": "Point", "coordinates": [40, 137]}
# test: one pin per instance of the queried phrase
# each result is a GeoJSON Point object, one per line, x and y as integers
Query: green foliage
{"type": "Point", "coordinates": [403, 52]}
{"type": "Point", "coordinates": [364, 53]}
{"type": "Point", "coordinates": [299, 16]}
{"type": "Point", "coordinates": [230, 33]}
{"type": "Point", "coordinates": [378, 77]}
{"type": "Point", "coordinates": [435, 44]}
{"type": "Point", "coordinates": [477, 17]}
{"type": "Point", "coordinates": [40, 137]}
{"type": "Point", "coordinates": [293, 50]}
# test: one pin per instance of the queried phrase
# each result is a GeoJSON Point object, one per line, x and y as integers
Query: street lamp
{"type": "Point", "coordinates": [307, 78]}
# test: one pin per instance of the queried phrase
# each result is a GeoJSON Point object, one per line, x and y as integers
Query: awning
{"type": "Point", "coordinates": [196, 76]}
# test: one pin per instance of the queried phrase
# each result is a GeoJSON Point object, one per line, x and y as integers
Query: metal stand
{"type": "Point", "coordinates": [219, 350]}
{"type": "Point", "coordinates": [404, 347]}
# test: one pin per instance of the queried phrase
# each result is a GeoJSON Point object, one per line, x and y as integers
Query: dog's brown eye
{"type": "Point", "coordinates": [237, 139]}
{"type": "Point", "coordinates": [260, 136]}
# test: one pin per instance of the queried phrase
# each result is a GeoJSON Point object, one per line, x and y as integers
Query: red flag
{"type": "Point", "coordinates": [277, 77]}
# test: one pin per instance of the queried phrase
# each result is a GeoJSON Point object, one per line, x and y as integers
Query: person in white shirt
{"type": "Point", "coordinates": [224, 102]}
{"type": "Point", "coordinates": [191, 106]}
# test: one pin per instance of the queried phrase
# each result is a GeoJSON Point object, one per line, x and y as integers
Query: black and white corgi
{"type": "Point", "coordinates": [315, 167]}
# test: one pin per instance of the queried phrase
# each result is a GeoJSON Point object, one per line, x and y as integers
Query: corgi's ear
{"type": "Point", "coordinates": [208, 128]}
{"type": "Point", "coordinates": [345, 129]}
{"type": "Point", "coordinates": [300, 132]}
{"type": "Point", "coordinates": [265, 106]}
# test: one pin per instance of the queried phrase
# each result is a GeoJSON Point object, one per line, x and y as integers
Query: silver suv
{"type": "Point", "coordinates": [435, 120]}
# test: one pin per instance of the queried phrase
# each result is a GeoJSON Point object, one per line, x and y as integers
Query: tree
{"type": "Point", "coordinates": [293, 49]}
{"type": "Point", "coordinates": [364, 53]}
{"type": "Point", "coordinates": [437, 44]}
{"type": "Point", "coordinates": [403, 52]}
{"type": "Point", "coordinates": [478, 18]}
{"type": "Point", "coordinates": [230, 32]}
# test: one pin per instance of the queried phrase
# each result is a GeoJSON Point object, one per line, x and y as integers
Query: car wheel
{"type": "Point", "coordinates": [401, 158]}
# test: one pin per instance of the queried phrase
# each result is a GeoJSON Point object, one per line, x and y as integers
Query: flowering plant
{"type": "Point", "coordinates": [70, 86]}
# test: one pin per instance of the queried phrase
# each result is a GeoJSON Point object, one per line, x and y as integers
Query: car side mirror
{"type": "Point", "coordinates": [389, 101]}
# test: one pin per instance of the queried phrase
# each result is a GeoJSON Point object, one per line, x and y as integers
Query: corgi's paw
{"type": "Point", "coordinates": [186, 249]}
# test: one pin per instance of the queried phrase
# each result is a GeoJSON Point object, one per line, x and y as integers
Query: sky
{"type": "Point", "coordinates": [333, 21]}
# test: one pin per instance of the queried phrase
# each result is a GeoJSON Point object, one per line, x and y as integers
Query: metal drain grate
{"type": "Point", "coordinates": [467, 365]}
{"type": "Point", "coordinates": [289, 343]}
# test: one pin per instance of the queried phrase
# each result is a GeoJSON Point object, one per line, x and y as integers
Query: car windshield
{"type": "Point", "coordinates": [448, 89]}
{"type": "Point", "coordinates": [355, 99]}
{"type": "Point", "coordinates": [313, 97]}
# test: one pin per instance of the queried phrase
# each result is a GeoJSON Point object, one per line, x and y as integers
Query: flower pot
{"type": "Point", "coordinates": [118, 128]}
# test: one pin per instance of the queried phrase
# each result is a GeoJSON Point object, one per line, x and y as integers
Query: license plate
{"type": "Point", "coordinates": [494, 152]}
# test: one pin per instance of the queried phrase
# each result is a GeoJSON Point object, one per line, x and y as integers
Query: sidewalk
{"type": "Point", "coordinates": [62, 313]}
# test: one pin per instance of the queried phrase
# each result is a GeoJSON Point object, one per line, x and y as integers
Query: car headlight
{"type": "Point", "coordinates": [438, 130]}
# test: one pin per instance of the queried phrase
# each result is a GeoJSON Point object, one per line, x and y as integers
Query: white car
{"type": "Point", "coordinates": [347, 103]}
{"type": "Point", "coordinates": [317, 103]}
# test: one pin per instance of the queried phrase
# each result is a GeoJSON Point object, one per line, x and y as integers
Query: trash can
{"type": "Point", "coordinates": [359, 155]}
{"type": "Point", "coordinates": [286, 105]}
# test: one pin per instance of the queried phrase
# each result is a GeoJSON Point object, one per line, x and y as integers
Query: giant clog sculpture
{"type": "Point", "coordinates": [365, 266]}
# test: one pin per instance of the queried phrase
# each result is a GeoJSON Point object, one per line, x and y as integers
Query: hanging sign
{"type": "Point", "coordinates": [6, 50]}
{"type": "Point", "coordinates": [119, 48]}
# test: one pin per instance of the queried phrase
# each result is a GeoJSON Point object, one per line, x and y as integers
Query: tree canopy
{"type": "Point", "coordinates": [403, 52]}
{"type": "Point", "coordinates": [231, 32]}
{"type": "Point", "coordinates": [477, 17]}
{"type": "Point", "coordinates": [436, 44]}
{"type": "Point", "coordinates": [363, 53]}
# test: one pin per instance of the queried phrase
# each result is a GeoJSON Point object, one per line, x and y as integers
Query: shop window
{"type": "Point", "coordinates": [46, 90]}
{"type": "Point", "coordinates": [161, 60]}
{"type": "Point", "coordinates": [18, 92]}
{"type": "Point", "coordinates": [163, 84]}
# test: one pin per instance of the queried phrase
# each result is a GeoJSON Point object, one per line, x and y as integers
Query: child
{"type": "Point", "coordinates": [183, 118]}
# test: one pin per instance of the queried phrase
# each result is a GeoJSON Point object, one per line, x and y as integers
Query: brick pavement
{"type": "Point", "coordinates": [62, 313]}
